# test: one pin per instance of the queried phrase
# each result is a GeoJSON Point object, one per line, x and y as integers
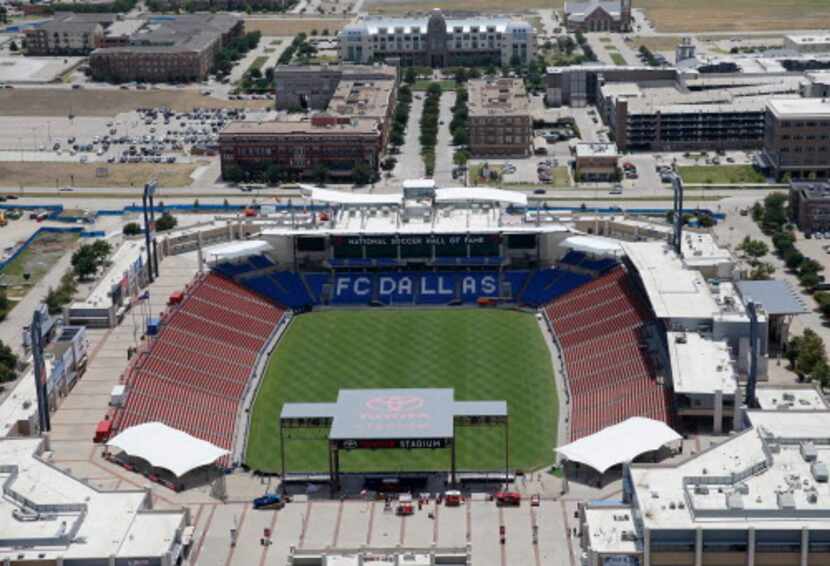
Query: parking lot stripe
{"type": "Point", "coordinates": [371, 521]}
{"type": "Point", "coordinates": [435, 524]}
{"type": "Point", "coordinates": [568, 534]}
{"type": "Point", "coordinates": [536, 556]}
{"type": "Point", "coordinates": [232, 549]}
{"type": "Point", "coordinates": [469, 521]}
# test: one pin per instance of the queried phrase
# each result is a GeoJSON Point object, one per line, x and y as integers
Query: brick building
{"type": "Point", "coordinates": [499, 118]}
{"type": "Point", "coordinates": [598, 15]}
{"type": "Point", "coordinates": [298, 148]}
{"type": "Point", "coordinates": [180, 49]}
{"type": "Point", "coordinates": [810, 206]}
{"type": "Point", "coordinates": [797, 137]}
{"type": "Point", "coordinates": [597, 162]}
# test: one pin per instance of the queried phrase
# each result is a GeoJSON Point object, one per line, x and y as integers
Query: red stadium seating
{"type": "Point", "coordinates": [193, 375]}
{"type": "Point", "coordinates": [609, 372]}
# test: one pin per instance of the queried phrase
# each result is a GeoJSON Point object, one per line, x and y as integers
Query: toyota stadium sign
{"type": "Point", "coordinates": [392, 443]}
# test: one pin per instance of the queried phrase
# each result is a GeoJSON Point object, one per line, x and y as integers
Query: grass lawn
{"type": "Point", "coordinates": [617, 58]}
{"type": "Point", "coordinates": [423, 84]}
{"type": "Point", "coordinates": [482, 354]}
{"type": "Point", "coordinates": [258, 62]}
{"type": "Point", "coordinates": [720, 174]}
{"type": "Point", "coordinates": [605, 40]}
{"type": "Point", "coordinates": [560, 177]}
{"type": "Point", "coordinates": [477, 179]}
{"type": "Point", "coordinates": [36, 260]}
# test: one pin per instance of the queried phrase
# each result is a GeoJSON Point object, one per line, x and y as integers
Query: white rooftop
{"type": "Point", "coordinates": [736, 484]}
{"type": "Point", "coordinates": [596, 150]}
{"type": "Point", "coordinates": [606, 527]}
{"type": "Point", "coordinates": [807, 39]}
{"type": "Point", "coordinates": [784, 398]}
{"type": "Point", "coordinates": [673, 290]}
{"type": "Point", "coordinates": [123, 258]}
{"type": "Point", "coordinates": [480, 195]}
{"type": "Point", "coordinates": [701, 249]}
{"type": "Point", "coordinates": [237, 249]}
{"type": "Point", "coordinates": [799, 107]}
{"type": "Point", "coordinates": [21, 403]}
{"type": "Point", "coordinates": [700, 365]}
{"type": "Point", "coordinates": [113, 524]}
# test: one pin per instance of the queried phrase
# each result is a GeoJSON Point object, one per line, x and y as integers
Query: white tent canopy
{"type": "Point", "coordinates": [166, 447]}
{"type": "Point", "coordinates": [619, 443]}
{"type": "Point", "coordinates": [237, 249]}
{"type": "Point", "coordinates": [596, 245]}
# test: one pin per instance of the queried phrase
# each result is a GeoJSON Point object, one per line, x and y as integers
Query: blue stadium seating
{"type": "Point", "coordinates": [353, 289]}
{"type": "Point", "coordinates": [315, 283]}
{"type": "Point", "coordinates": [260, 261]}
{"type": "Point", "coordinates": [581, 259]}
{"type": "Point", "coordinates": [397, 288]}
{"type": "Point", "coordinates": [517, 280]}
{"type": "Point", "coordinates": [546, 285]}
{"type": "Point", "coordinates": [294, 293]}
{"type": "Point", "coordinates": [477, 284]}
{"type": "Point", "coordinates": [265, 286]}
{"type": "Point", "coordinates": [232, 269]}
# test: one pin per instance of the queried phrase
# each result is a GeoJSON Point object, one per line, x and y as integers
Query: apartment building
{"type": "Point", "coordinates": [300, 147]}
{"type": "Point", "coordinates": [598, 15]}
{"type": "Point", "coordinates": [499, 118]}
{"type": "Point", "coordinates": [578, 86]}
{"type": "Point", "coordinates": [169, 50]}
{"type": "Point", "coordinates": [797, 137]}
{"type": "Point", "coordinates": [810, 206]}
{"type": "Point", "coordinates": [439, 41]}
{"type": "Point", "coordinates": [68, 34]}
{"type": "Point", "coordinates": [310, 87]}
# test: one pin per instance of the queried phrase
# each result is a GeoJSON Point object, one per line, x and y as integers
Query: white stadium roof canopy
{"type": "Point", "coordinates": [166, 447]}
{"type": "Point", "coordinates": [619, 443]}
{"type": "Point", "coordinates": [596, 245]}
{"type": "Point", "coordinates": [237, 249]}
{"type": "Point", "coordinates": [341, 197]}
{"type": "Point", "coordinates": [480, 194]}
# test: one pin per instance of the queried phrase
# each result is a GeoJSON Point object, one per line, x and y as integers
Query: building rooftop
{"type": "Point", "coordinates": [804, 398]}
{"type": "Point", "coordinates": [760, 475]}
{"type": "Point", "coordinates": [355, 126]}
{"type": "Point", "coordinates": [673, 290]}
{"type": "Point", "coordinates": [497, 97]}
{"type": "Point", "coordinates": [597, 150]}
{"type": "Point", "coordinates": [362, 98]}
{"type": "Point", "coordinates": [88, 524]}
{"type": "Point", "coordinates": [185, 32]}
{"type": "Point", "coordinates": [808, 39]}
{"type": "Point", "coordinates": [702, 250]}
{"type": "Point", "coordinates": [374, 25]}
{"type": "Point", "coordinates": [700, 365]}
{"type": "Point", "coordinates": [799, 107]}
{"type": "Point", "coordinates": [578, 10]}
{"type": "Point", "coordinates": [123, 258]}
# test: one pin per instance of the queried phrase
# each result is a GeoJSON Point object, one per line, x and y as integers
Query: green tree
{"type": "Point", "coordinates": [273, 174]}
{"type": "Point", "coordinates": [762, 271]}
{"type": "Point", "coordinates": [132, 229]}
{"type": "Point", "coordinates": [361, 174]}
{"type": "Point", "coordinates": [166, 222]}
{"type": "Point", "coordinates": [410, 75]}
{"type": "Point", "coordinates": [755, 249]}
{"type": "Point", "coordinates": [5, 304]}
{"type": "Point", "coordinates": [232, 173]}
{"type": "Point", "coordinates": [13, 46]}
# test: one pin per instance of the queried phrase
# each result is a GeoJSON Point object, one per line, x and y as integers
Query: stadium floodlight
{"type": "Point", "coordinates": [148, 206]}
{"type": "Point", "coordinates": [40, 372]}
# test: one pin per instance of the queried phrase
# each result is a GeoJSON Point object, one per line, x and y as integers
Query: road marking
{"type": "Point", "coordinates": [435, 524]}
{"type": "Point", "coordinates": [568, 534]}
{"type": "Point", "coordinates": [371, 522]}
{"type": "Point", "coordinates": [503, 547]}
{"type": "Point", "coordinates": [536, 556]}
{"type": "Point", "coordinates": [337, 524]}
{"type": "Point", "coordinates": [238, 532]}
{"type": "Point", "coordinates": [403, 530]}
{"type": "Point", "coordinates": [195, 557]}
{"type": "Point", "coordinates": [267, 546]}
{"type": "Point", "coordinates": [305, 524]}
{"type": "Point", "coordinates": [469, 521]}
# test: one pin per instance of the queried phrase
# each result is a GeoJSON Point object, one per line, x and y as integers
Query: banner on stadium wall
{"type": "Point", "coordinates": [425, 240]}
{"type": "Point", "coordinates": [393, 443]}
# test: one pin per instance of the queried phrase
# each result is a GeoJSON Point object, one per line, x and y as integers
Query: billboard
{"type": "Point", "coordinates": [451, 245]}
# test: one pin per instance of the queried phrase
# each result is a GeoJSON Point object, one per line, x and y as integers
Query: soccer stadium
{"type": "Point", "coordinates": [432, 288]}
{"type": "Point", "coordinates": [313, 367]}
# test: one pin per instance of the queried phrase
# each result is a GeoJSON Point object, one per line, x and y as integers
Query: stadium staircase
{"type": "Point", "coordinates": [599, 328]}
{"type": "Point", "coordinates": [194, 374]}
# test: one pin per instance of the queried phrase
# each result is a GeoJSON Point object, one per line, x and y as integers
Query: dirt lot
{"type": "Point", "coordinates": [737, 15]}
{"type": "Point", "coordinates": [293, 27]}
{"type": "Point", "coordinates": [36, 260]}
{"type": "Point", "coordinates": [45, 174]}
{"type": "Point", "coordinates": [98, 102]}
{"type": "Point", "coordinates": [403, 6]}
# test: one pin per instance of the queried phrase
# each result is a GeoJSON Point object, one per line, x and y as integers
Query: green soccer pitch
{"type": "Point", "coordinates": [482, 354]}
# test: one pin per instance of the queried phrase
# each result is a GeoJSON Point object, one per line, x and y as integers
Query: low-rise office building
{"type": "Point", "coordinates": [808, 43]}
{"type": "Point", "coordinates": [597, 162]}
{"type": "Point", "coordinates": [439, 41]}
{"type": "Point", "coordinates": [68, 34]}
{"type": "Point", "coordinates": [598, 15]}
{"type": "Point", "coordinates": [172, 50]}
{"type": "Point", "coordinates": [810, 206]}
{"type": "Point", "coordinates": [797, 138]}
{"type": "Point", "coordinates": [499, 118]}
{"type": "Point", "coordinates": [311, 87]}
{"type": "Point", "coordinates": [756, 499]}
{"type": "Point", "coordinates": [579, 85]}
